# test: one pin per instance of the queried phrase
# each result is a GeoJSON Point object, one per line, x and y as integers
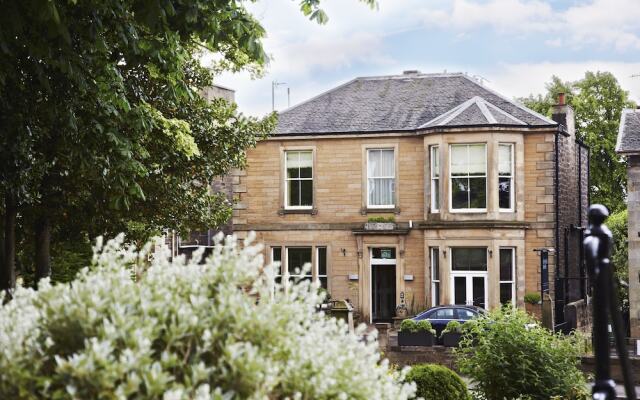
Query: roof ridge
{"type": "Point", "coordinates": [506, 114]}
{"type": "Point", "coordinates": [420, 75]}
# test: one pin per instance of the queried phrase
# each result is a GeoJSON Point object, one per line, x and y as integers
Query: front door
{"type": "Point", "coordinates": [383, 284]}
{"type": "Point", "coordinates": [384, 292]}
{"type": "Point", "coordinates": [469, 289]}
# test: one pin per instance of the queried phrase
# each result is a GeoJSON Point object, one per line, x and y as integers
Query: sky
{"type": "Point", "coordinates": [514, 46]}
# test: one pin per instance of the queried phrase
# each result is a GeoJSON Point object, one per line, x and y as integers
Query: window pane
{"type": "Point", "coordinates": [293, 187]}
{"type": "Point", "coordinates": [478, 195]}
{"type": "Point", "coordinates": [460, 192]}
{"type": "Point", "coordinates": [322, 261]}
{"type": "Point", "coordinates": [323, 282]}
{"type": "Point", "coordinates": [306, 193]}
{"type": "Point", "coordinates": [504, 159]}
{"type": "Point", "coordinates": [506, 293]}
{"type": "Point", "coordinates": [445, 313]}
{"type": "Point", "coordinates": [504, 192]}
{"type": "Point", "coordinates": [506, 264]}
{"type": "Point", "coordinates": [306, 159]}
{"type": "Point", "coordinates": [435, 189]}
{"type": "Point", "coordinates": [477, 159]}
{"type": "Point", "coordinates": [276, 256]}
{"type": "Point", "coordinates": [293, 159]}
{"type": "Point", "coordinates": [381, 191]}
{"type": "Point", "coordinates": [469, 259]}
{"type": "Point", "coordinates": [465, 314]}
{"type": "Point", "coordinates": [436, 293]}
{"type": "Point", "coordinates": [460, 290]}
{"type": "Point", "coordinates": [293, 172]}
{"type": "Point", "coordinates": [435, 264]}
{"type": "Point", "coordinates": [459, 160]}
{"type": "Point", "coordinates": [297, 257]}
{"type": "Point", "coordinates": [478, 283]}
{"type": "Point", "coordinates": [435, 162]}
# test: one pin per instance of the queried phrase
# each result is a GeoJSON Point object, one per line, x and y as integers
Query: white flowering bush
{"type": "Point", "coordinates": [183, 330]}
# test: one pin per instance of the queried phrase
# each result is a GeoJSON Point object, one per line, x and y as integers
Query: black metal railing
{"type": "Point", "coordinates": [597, 244]}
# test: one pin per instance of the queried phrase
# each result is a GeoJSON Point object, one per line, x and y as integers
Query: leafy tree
{"type": "Point", "coordinates": [598, 101]}
{"type": "Point", "coordinates": [102, 127]}
{"type": "Point", "coordinates": [619, 224]}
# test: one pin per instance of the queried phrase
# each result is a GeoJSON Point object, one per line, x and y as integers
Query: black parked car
{"type": "Point", "coordinates": [441, 315]}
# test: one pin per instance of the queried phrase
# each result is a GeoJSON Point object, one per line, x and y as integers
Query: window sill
{"type": "Point", "coordinates": [389, 210]}
{"type": "Point", "coordinates": [308, 211]}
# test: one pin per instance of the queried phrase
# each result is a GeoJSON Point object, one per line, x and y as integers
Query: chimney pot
{"type": "Point", "coordinates": [561, 99]}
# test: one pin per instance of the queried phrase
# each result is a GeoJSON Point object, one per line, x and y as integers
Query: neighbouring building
{"type": "Point", "coordinates": [222, 184]}
{"type": "Point", "coordinates": [420, 189]}
{"type": "Point", "coordinates": [629, 146]}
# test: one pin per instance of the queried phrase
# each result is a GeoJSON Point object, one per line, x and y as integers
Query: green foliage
{"type": "Point", "coordinates": [408, 325]}
{"type": "Point", "coordinates": [425, 326]}
{"type": "Point", "coordinates": [435, 382]}
{"type": "Point", "coordinates": [183, 330]}
{"type": "Point", "coordinates": [381, 219]}
{"type": "Point", "coordinates": [508, 355]}
{"type": "Point", "coordinates": [532, 298]}
{"type": "Point", "coordinates": [598, 101]}
{"type": "Point", "coordinates": [453, 327]}
{"type": "Point", "coordinates": [619, 224]}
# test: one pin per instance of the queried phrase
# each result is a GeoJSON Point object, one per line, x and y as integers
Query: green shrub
{"type": "Point", "coordinates": [618, 223]}
{"type": "Point", "coordinates": [381, 219]}
{"type": "Point", "coordinates": [532, 298]}
{"type": "Point", "coordinates": [425, 326]}
{"type": "Point", "coordinates": [408, 325]}
{"type": "Point", "coordinates": [179, 329]}
{"type": "Point", "coordinates": [508, 355]}
{"type": "Point", "coordinates": [435, 382]}
{"type": "Point", "coordinates": [452, 327]}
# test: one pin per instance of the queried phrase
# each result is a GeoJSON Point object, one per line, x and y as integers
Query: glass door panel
{"type": "Point", "coordinates": [460, 289]}
{"type": "Point", "coordinates": [478, 290]}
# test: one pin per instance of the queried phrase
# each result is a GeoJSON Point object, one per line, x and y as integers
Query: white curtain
{"type": "Point", "coordinates": [381, 176]}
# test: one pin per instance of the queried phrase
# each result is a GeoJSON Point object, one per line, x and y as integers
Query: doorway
{"type": "Point", "coordinates": [383, 284]}
{"type": "Point", "coordinates": [469, 276]}
{"type": "Point", "coordinates": [469, 289]}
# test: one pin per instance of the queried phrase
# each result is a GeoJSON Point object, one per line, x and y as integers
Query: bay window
{"type": "Point", "coordinates": [299, 179]}
{"type": "Point", "coordinates": [505, 177]}
{"type": "Point", "coordinates": [296, 258]}
{"type": "Point", "coordinates": [381, 178]}
{"type": "Point", "coordinates": [468, 177]}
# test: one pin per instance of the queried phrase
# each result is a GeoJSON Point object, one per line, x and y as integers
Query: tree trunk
{"type": "Point", "coordinates": [43, 241]}
{"type": "Point", "coordinates": [8, 266]}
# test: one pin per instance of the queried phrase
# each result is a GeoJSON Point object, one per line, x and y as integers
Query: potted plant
{"type": "Point", "coordinates": [532, 301]}
{"type": "Point", "coordinates": [380, 224]}
{"type": "Point", "coordinates": [414, 333]}
{"type": "Point", "coordinates": [451, 334]}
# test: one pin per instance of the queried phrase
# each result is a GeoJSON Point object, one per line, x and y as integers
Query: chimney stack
{"type": "Point", "coordinates": [561, 99]}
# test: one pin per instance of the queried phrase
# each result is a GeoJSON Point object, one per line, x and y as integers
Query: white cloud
{"type": "Point", "coordinates": [600, 23]}
{"type": "Point", "coordinates": [520, 80]}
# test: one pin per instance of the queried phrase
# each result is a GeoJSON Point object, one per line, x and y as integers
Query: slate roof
{"type": "Point", "coordinates": [407, 102]}
{"type": "Point", "coordinates": [629, 132]}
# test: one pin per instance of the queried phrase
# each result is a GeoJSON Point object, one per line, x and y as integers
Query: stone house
{"type": "Point", "coordinates": [471, 184]}
{"type": "Point", "coordinates": [629, 145]}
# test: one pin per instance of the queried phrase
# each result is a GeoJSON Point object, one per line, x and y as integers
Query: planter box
{"type": "Point", "coordinates": [415, 339]}
{"type": "Point", "coordinates": [379, 226]}
{"type": "Point", "coordinates": [451, 339]}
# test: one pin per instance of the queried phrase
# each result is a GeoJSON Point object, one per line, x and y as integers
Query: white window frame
{"type": "Point", "coordinates": [383, 206]}
{"type": "Point", "coordinates": [434, 254]}
{"type": "Point", "coordinates": [434, 155]}
{"type": "Point", "coordinates": [512, 193]}
{"type": "Point", "coordinates": [451, 177]}
{"type": "Point", "coordinates": [287, 179]}
{"type": "Point", "coordinates": [513, 274]}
